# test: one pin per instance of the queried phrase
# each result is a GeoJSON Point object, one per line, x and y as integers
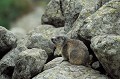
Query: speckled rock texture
{"type": "Point", "coordinates": [7, 41]}
{"type": "Point", "coordinates": [53, 63]}
{"type": "Point", "coordinates": [53, 14]}
{"type": "Point", "coordinates": [29, 63]}
{"type": "Point", "coordinates": [41, 36]}
{"type": "Point", "coordinates": [97, 22]}
{"type": "Point", "coordinates": [68, 71]}
{"type": "Point", "coordinates": [7, 63]}
{"type": "Point", "coordinates": [4, 77]}
{"type": "Point", "coordinates": [107, 50]}
{"type": "Point", "coordinates": [104, 21]}
{"type": "Point", "coordinates": [63, 13]}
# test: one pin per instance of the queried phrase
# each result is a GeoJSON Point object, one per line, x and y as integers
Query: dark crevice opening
{"type": "Point", "coordinates": [61, 8]}
{"type": "Point", "coordinates": [50, 57]}
{"type": "Point", "coordinates": [3, 51]}
{"type": "Point", "coordinates": [8, 71]}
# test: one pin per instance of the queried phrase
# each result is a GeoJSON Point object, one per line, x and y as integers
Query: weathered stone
{"type": "Point", "coordinates": [104, 21]}
{"type": "Point", "coordinates": [61, 13]}
{"type": "Point", "coordinates": [4, 77]}
{"type": "Point", "coordinates": [67, 71]}
{"type": "Point", "coordinates": [29, 63]}
{"type": "Point", "coordinates": [55, 62]}
{"type": "Point", "coordinates": [96, 65]}
{"type": "Point", "coordinates": [7, 41]}
{"type": "Point", "coordinates": [7, 63]}
{"type": "Point", "coordinates": [88, 8]}
{"type": "Point", "coordinates": [107, 50]}
{"type": "Point", "coordinates": [53, 14]}
{"type": "Point", "coordinates": [78, 10]}
{"type": "Point", "coordinates": [48, 31]}
{"type": "Point", "coordinates": [36, 40]}
{"type": "Point", "coordinates": [41, 36]}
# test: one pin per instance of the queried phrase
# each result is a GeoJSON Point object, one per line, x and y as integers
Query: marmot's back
{"type": "Point", "coordinates": [78, 52]}
{"type": "Point", "coordinates": [72, 50]}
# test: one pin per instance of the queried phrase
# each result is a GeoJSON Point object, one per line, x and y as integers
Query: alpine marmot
{"type": "Point", "coordinates": [72, 50]}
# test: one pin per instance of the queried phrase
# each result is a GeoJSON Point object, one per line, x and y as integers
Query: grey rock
{"type": "Point", "coordinates": [41, 36]}
{"type": "Point", "coordinates": [29, 63]}
{"type": "Point", "coordinates": [107, 50]}
{"type": "Point", "coordinates": [7, 63]}
{"type": "Point", "coordinates": [88, 8]}
{"type": "Point", "coordinates": [78, 10]}
{"type": "Point", "coordinates": [36, 40]}
{"type": "Point", "coordinates": [48, 31]}
{"type": "Point", "coordinates": [55, 62]}
{"type": "Point", "coordinates": [96, 65]}
{"type": "Point", "coordinates": [53, 14]}
{"type": "Point", "coordinates": [4, 77]}
{"type": "Point", "coordinates": [61, 13]}
{"type": "Point", "coordinates": [67, 71]}
{"type": "Point", "coordinates": [104, 21]}
{"type": "Point", "coordinates": [7, 41]}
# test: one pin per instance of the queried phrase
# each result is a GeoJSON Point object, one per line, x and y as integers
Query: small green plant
{"type": "Point", "coordinates": [10, 10]}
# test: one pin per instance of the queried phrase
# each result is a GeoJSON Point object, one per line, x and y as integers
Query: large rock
{"type": "Point", "coordinates": [55, 62]}
{"type": "Point", "coordinates": [67, 71]}
{"type": "Point", "coordinates": [48, 31]}
{"type": "Point", "coordinates": [53, 14]}
{"type": "Point", "coordinates": [4, 77]}
{"type": "Point", "coordinates": [107, 50]}
{"type": "Point", "coordinates": [61, 13]}
{"type": "Point", "coordinates": [29, 63]}
{"type": "Point", "coordinates": [104, 21]}
{"type": "Point", "coordinates": [41, 36]}
{"type": "Point", "coordinates": [7, 41]}
{"type": "Point", "coordinates": [78, 10]}
{"type": "Point", "coordinates": [89, 8]}
{"type": "Point", "coordinates": [7, 63]}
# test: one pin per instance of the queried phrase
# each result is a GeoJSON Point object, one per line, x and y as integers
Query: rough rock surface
{"type": "Point", "coordinates": [78, 10]}
{"type": "Point", "coordinates": [7, 41]}
{"type": "Point", "coordinates": [83, 25]}
{"type": "Point", "coordinates": [53, 14]}
{"type": "Point", "coordinates": [105, 21]}
{"type": "Point", "coordinates": [67, 71]}
{"type": "Point", "coordinates": [29, 63]}
{"type": "Point", "coordinates": [36, 40]}
{"type": "Point", "coordinates": [48, 31]}
{"type": "Point", "coordinates": [41, 36]}
{"type": "Point", "coordinates": [55, 62]}
{"type": "Point", "coordinates": [61, 13]}
{"type": "Point", "coordinates": [7, 63]}
{"type": "Point", "coordinates": [4, 77]}
{"type": "Point", "coordinates": [107, 50]}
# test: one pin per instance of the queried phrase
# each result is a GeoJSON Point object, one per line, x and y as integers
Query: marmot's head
{"type": "Point", "coordinates": [59, 42]}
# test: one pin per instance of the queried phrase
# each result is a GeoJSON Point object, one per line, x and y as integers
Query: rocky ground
{"type": "Point", "coordinates": [29, 54]}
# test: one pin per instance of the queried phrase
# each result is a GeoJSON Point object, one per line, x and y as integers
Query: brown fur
{"type": "Point", "coordinates": [73, 50]}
